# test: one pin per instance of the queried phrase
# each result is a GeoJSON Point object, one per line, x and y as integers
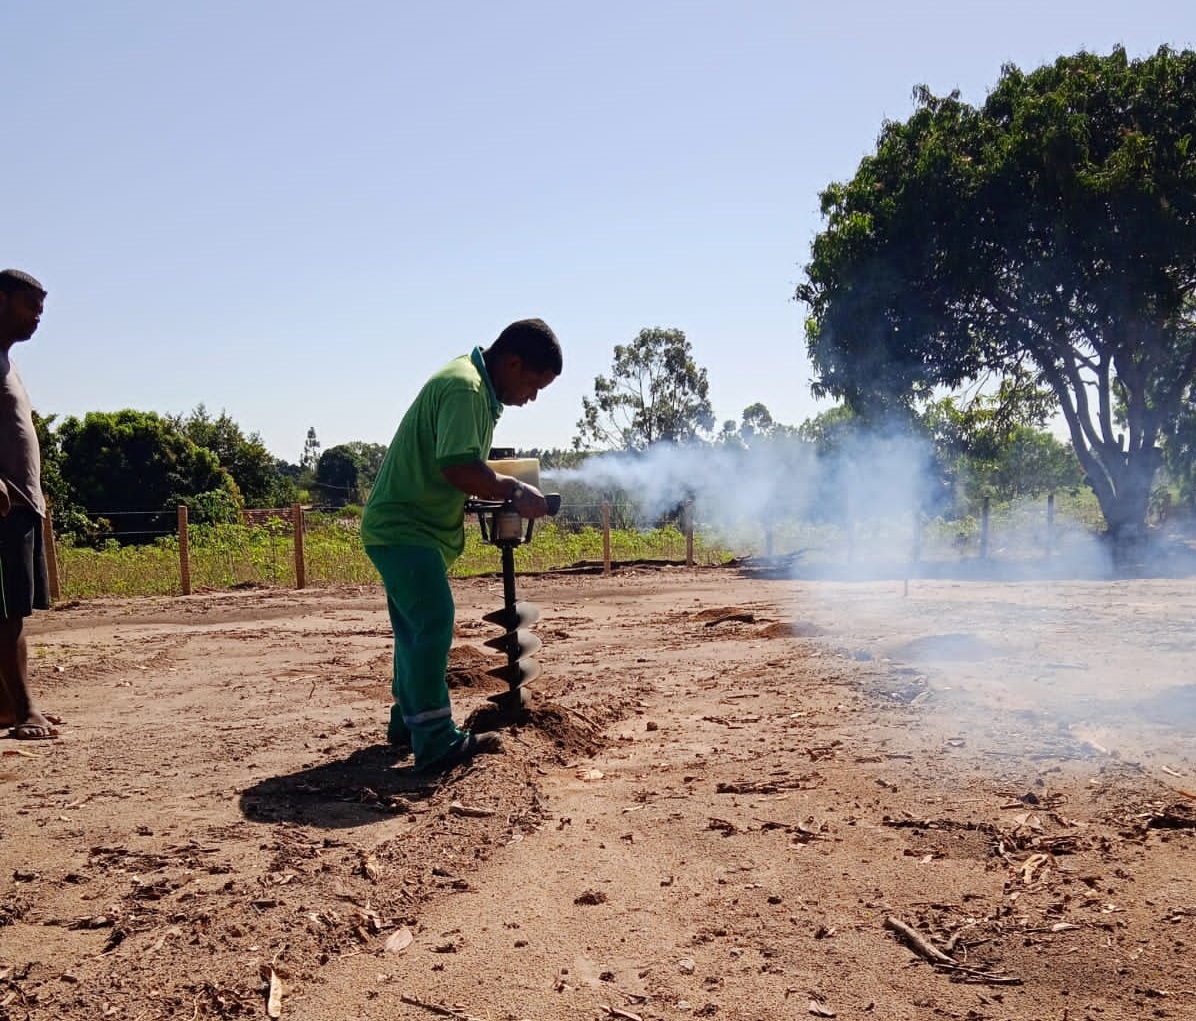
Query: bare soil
{"type": "Point", "coordinates": [733, 796]}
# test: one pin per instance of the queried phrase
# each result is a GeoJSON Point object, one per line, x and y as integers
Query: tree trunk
{"type": "Point", "coordinates": [1120, 479]}
{"type": "Point", "coordinates": [1124, 501]}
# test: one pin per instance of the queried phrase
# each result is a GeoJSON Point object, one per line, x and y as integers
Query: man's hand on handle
{"type": "Point", "coordinates": [478, 479]}
{"type": "Point", "coordinates": [528, 501]}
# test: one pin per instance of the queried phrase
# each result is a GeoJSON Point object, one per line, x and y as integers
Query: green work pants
{"type": "Point", "coordinates": [421, 614]}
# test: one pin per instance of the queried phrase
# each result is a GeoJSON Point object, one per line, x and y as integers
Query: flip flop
{"type": "Point", "coordinates": [57, 721]}
{"type": "Point", "coordinates": [33, 732]}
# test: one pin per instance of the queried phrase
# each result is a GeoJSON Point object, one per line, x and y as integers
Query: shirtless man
{"type": "Point", "coordinates": [24, 584]}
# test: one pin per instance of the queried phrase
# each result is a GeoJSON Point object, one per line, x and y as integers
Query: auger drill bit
{"type": "Point", "coordinates": [520, 668]}
{"type": "Point", "coordinates": [501, 526]}
{"type": "Point", "coordinates": [513, 617]}
{"type": "Point", "coordinates": [520, 642]}
{"type": "Point", "coordinates": [517, 675]}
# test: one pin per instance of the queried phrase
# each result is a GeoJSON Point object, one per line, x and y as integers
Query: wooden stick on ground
{"type": "Point", "coordinates": [918, 942]}
{"type": "Point", "coordinates": [580, 716]}
{"type": "Point", "coordinates": [982, 976]}
{"type": "Point", "coordinates": [935, 956]}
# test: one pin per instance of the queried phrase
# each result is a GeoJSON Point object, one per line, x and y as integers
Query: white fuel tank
{"type": "Point", "coordinates": [525, 469]}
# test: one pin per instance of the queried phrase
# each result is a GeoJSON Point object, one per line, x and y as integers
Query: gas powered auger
{"type": "Point", "coordinates": [502, 526]}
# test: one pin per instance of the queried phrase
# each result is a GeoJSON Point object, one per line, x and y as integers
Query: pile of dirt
{"type": "Point", "coordinates": [565, 734]}
{"type": "Point", "coordinates": [469, 667]}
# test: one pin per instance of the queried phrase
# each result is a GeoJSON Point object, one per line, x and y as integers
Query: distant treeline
{"type": "Point", "coordinates": [122, 475]}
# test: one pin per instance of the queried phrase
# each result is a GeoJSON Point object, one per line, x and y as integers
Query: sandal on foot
{"type": "Point", "coordinates": [488, 742]}
{"type": "Point", "coordinates": [11, 725]}
{"type": "Point", "coordinates": [33, 732]}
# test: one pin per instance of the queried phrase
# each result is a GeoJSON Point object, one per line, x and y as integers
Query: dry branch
{"type": "Point", "coordinates": [742, 618]}
{"type": "Point", "coordinates": [919, 943]}
{"type": "Point", "coordinates": [982, 976]}
{"type": "Point", "coordinates": [935, 956]}
{"type": "Point", "coordinates": [798, 783]}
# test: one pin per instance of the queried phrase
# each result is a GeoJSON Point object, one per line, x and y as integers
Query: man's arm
{"type": "Point", "coordinates": [478, 479]}
{"type": "Point", "coordinates": [5, 499]}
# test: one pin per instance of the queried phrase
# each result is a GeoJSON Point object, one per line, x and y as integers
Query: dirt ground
{"type": "Point", "coordinates": [734, 796]}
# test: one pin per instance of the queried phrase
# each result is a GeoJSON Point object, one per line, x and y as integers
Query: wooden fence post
{"type": "Point", "coordinates": [184, 551]}
{"type": "Point", "coordinates": [1050, 523]}
{"type": "Point", "coordinates": [297, 523]}
{"type": "Point", "coordinates": [51, 554]}
{"type": "Point", "coordinates": [605, 537]}
{"type": "Point", "coordinates": [689, 533]}
{"type": "Point", "coordinates": [846, 512]}
{"type": "Point", "coordinates": [985, 507]}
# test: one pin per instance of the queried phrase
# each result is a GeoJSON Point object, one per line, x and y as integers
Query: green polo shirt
{"type": "Point", "coordinates": [450, 422]}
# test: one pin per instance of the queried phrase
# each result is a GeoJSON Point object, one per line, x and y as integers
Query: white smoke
{"type": "Point", "coordinates": [775, 479]}
{"type": "Point", "coordinates": [729, 485]}
{"type": "Point", "coordinates": [1023, 630]}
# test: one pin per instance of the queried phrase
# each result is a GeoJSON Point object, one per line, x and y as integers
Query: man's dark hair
{"type": "Point", "coordinates": [13, 280]}
{"type": "Point", "coordinates": [533, 341]}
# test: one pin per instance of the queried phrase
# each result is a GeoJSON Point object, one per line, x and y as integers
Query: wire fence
{"type": "Point", "coordinates": [312, 546]}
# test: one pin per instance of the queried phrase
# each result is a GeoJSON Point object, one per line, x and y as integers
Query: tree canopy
{"type": "Point", "coordinates": [1052, 230]}
{"type": "Point", "coordinates": [345, 473]}
{"type": "Point", "coordinates": [245, 458]}
{"type": "Point", "coordinates": [995, 447]}
{"type": "Point", "coordinates": [655, 393]}
{"type": "Point", "coordinates": [135, 467]}
{"type": "Point", "coordinates": [755, 425]}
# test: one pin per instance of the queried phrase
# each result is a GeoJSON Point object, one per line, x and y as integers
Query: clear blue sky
{"type": "Point", "coordinates": [296, 211]}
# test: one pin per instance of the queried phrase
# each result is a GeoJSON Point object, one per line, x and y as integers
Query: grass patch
{"type": "Point", "coordinates": [232, 556]}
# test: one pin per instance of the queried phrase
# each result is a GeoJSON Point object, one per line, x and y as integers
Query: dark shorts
{"type": "Point", "coordinates": [24, 581]}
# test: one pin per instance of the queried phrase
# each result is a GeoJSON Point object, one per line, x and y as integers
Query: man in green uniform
{"type": "Point", "coordinates": [413, 526]}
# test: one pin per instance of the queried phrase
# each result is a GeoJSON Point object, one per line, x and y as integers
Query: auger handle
{"type": "Point", "coordinates": [476, 506]}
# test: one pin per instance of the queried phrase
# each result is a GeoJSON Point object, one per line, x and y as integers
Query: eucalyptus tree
{"type": "Point", "coordinates": [656, 393]}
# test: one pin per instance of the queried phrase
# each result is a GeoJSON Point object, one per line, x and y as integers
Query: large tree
{"type": "Point", "coordinates": [655, 393]}
{"type": "Point", "coordinates": [1052, 230]}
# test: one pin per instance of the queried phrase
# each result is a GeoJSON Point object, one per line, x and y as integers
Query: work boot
{"type": "Point", "coordinates": [487, 742]}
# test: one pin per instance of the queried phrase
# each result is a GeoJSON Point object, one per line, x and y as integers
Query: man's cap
{"type": "Point", "coordinates": [19, 276]}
